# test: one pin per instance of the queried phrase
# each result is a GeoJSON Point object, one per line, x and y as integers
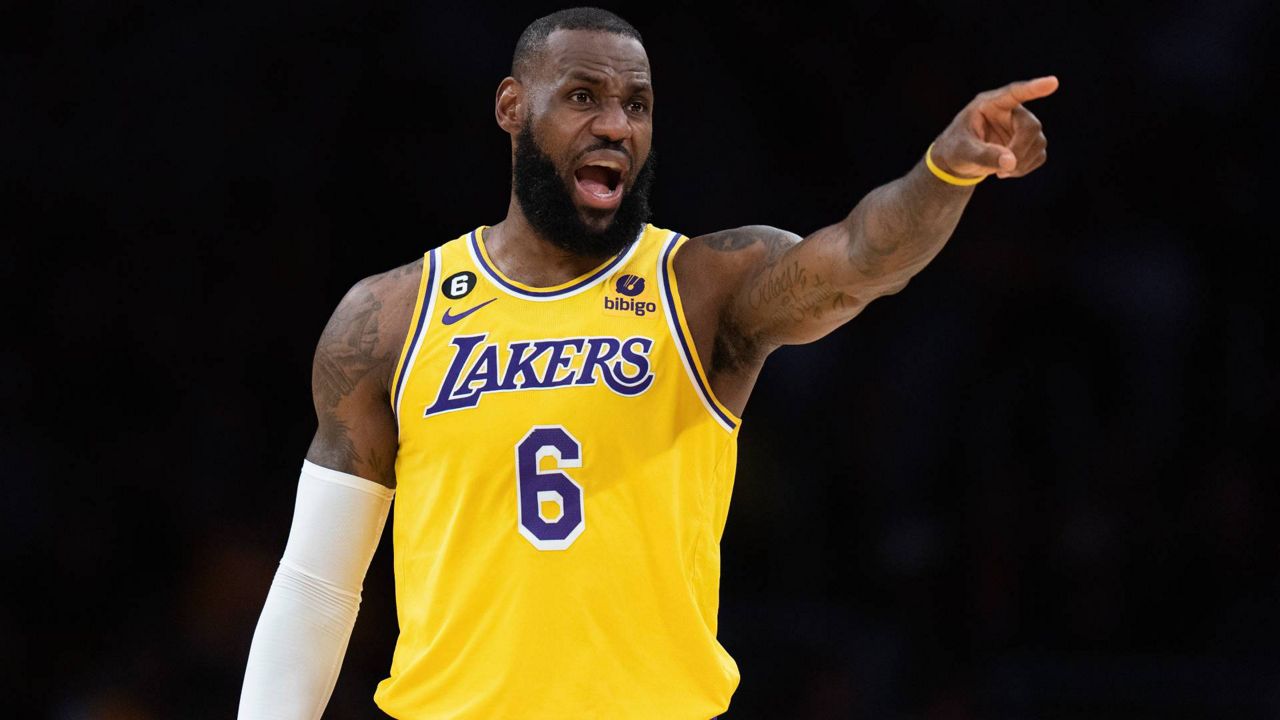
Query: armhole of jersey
{"type": "Point", "coordinates": [417, 329]}
{"type": "Point", "coordinates": [684, 339]}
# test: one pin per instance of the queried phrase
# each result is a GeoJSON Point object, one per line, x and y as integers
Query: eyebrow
{"type": "Point", "coordinates": [599, 79]}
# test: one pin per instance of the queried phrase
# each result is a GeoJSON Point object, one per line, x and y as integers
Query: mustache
{"type": "Point", "coordinates": [607, 145]}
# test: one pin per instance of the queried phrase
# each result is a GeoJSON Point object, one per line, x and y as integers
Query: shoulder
{"type": "Point", "coordinates": [386, 297]}
{"type": "Point", "coordinates": [734, 253]}
{"type": "Point", "coordinates": [711, 272]}
{"type": "Point", "coordinates": [390, 286]}
{"type": "Point", "coordinates": [712, 268]}
{"type": "Point", "coordinates": [365, 332]}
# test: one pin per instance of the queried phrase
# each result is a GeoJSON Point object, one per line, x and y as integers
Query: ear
{"type": "Point", "coordinates": [508, 106]}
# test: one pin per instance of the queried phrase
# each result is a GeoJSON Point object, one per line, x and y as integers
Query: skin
{"type": "Point", "coordinates": [746, 291]}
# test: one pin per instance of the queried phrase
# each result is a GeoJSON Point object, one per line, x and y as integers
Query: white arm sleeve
{"type": "Point", "coordinates": [311, 608]}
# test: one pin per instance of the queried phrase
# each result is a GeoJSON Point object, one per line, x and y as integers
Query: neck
{"type": "Point", "coordinates": [525, 256]}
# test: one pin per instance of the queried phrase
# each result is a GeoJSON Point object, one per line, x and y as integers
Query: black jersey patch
{"type": "Point", "coordinates": [458, 284]}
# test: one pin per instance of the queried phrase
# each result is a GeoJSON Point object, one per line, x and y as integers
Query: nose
{"type": "Point", "coordinates": [611, 122]}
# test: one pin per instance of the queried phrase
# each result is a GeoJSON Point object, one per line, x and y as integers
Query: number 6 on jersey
{"type": "Point", "coordinates": [541, 494]}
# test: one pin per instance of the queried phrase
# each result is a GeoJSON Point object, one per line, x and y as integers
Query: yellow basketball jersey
{"type": "Point", "coordinates": [563, 479]}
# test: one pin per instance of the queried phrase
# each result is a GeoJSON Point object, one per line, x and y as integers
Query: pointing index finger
{"type": "Point", "coordinates": [1016, 93]}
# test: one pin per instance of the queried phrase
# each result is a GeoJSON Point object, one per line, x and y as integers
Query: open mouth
{"type": "Point", "coordinates": [600, 183]}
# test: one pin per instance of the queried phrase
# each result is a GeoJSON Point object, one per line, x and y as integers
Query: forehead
{"type": "Point", "coordinates": [607, 56]}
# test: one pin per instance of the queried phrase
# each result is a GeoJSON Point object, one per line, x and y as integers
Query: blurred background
{"type": "Point", "coordinates": [1032, 485]}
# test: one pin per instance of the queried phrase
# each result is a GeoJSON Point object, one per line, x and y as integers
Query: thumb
{"type": "Point", "coordinates": [992, 155]}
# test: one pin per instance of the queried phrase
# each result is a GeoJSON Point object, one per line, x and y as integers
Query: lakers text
{"type": "Point", "coordinates": [479, 367]}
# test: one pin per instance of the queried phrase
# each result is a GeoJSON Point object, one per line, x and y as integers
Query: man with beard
{"type": "Point", "coordinates": [555, 399]}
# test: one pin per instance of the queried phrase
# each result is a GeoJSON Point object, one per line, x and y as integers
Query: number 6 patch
{"type": "Point", "coordinates": [458, 284]}
{"type": "Point", "coordinates": [550, 507]}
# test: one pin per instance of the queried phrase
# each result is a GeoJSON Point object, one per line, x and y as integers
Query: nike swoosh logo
{"type": "Point", "coordinates": [448, 319]}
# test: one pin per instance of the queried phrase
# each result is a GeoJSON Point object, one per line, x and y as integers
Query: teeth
{"type": "Point", "coordinates": [606, 164]}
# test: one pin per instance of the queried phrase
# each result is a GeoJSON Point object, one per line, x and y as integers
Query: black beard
{"type": "Point", "coordinates": [548, 204]}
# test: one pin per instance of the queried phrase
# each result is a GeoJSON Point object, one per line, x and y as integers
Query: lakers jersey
{"type": "Point", "coordinates": [563, 480]}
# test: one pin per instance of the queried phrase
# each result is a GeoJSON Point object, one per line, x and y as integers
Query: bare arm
{"type": "Point", "coordinates": [788, 290]}
{"type": "Point", "coordinates": [817, 283]}
{"type": "Point", "coordinates": [751, 289]}
{"type": "Point", "coordinates": [351, 376]}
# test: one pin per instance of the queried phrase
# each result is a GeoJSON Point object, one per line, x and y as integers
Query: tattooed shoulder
{"type": "Point", "coordinates": [348, 349]}
{"type": "Point", "coordinates": [361, 336]}
{"type": "Point", "coordinates": [351, 375]}
{"type": "Point", "coordinates": [770, 239]}
{"type": "Point", "coordinates": [413, 269]}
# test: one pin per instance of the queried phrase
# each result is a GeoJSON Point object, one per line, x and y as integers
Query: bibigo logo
{"type": "Point", "coordinates": [630, 287]}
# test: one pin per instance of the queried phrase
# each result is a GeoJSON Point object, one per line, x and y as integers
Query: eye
{"type": "Point", "coordinates": [638, 106]}
{"type": "Point", "coordinates": [580, 96]}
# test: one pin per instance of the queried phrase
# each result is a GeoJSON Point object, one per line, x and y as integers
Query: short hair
{"type": "Point", "coordinates": [533, 41]}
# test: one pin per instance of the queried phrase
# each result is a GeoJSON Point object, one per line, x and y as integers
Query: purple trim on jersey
{"type": "Point", "coordinates": [417, 334]}
{"type": "Point", "coordinates": [495, 276]}
{"type": "Point", "coordinates": [684, 342]}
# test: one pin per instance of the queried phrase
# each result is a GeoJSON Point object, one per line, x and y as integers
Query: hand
{"type": "Point", "coordinates": [994, 133]}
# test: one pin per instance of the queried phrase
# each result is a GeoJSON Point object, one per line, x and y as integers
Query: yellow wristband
{"type": "Point", "coordinates": [945, 176]}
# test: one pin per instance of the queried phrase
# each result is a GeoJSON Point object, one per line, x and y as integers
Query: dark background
{"type": "Point", "coordinates": [1032, 485]}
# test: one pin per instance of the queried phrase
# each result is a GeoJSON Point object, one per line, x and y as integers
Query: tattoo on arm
{"type": "Point", "coordinates": [383, 464]}
{"type": "Point", "coordinates": [333, 441]}
{"type": "Point", "coordinates": [775, 241]}
{"type": "Point", "coordinates": [899, 227]}
{"type": "Point", "coordinates": [345, 354]}
{"type": "Point", "coordinates": [759, 248]}
{"type": "Point", "coordinates": [358, 432]}
{"type": "Point", "coordinates": [789, 291]}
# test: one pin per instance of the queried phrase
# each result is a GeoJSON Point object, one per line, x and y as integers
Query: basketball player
{"type": "Point", "coordinates": [555, 401]}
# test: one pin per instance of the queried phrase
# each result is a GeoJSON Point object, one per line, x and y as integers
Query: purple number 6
{"type": "Point", "coordinates": [549, 531]}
